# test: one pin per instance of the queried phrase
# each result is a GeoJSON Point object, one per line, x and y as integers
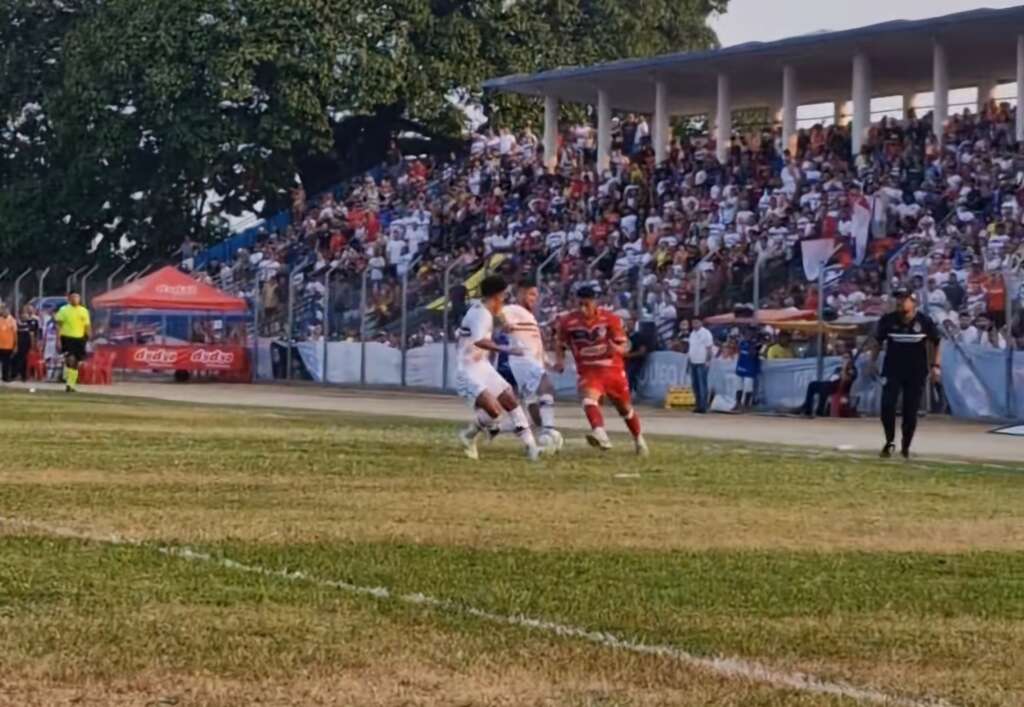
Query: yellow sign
{"type": "Point", "coordinates": [679, 398]}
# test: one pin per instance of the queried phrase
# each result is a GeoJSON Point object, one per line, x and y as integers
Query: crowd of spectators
{"type": "Point", "coordinates": [663, 242]}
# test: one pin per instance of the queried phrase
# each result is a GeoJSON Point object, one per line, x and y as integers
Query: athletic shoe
{"type": "Point", "coordinates": [69, 389]}
{"type": "Point", "coordinates": [599, 439]}
{"type": "Point", "coordinates": [905, 453]}
{"type": "Point", "coordinates": [887, 450]}
{"type": "Point", "coordinates": [642, 449]}
{"type": "Point", "coordinates": [468, 440]}
{"type": "Point", "coordinates": [533, 453]}
{"type": "Point", "coordinates": [492, 433]}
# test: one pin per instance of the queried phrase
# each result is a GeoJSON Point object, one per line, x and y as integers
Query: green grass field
{"type": "Point", "coordinates": [904, 580]}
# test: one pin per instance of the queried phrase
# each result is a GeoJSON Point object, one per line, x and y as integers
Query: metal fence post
{"type": "Point", "coordinates": [362, 328]}
{"type": "Point", "coordinates": [1012, 282]}
{"type": "Point", "coordinates": [639, 293]}
{"type": "Point", "coordinates": [110, 278]}
{"type": "Point", "coordinates": [257, 320]}
{"type": "Point", "coordinates": [757, 283]}
{"type": "Point", "coordinates": [593, 263]}
{"type": "Point", "coordinates": [327, 323]}
{"type": "Point", "coordinates": [85, 283]}
{"type": "Point", "coordinates": [290, 324]}
{"type": "Point", "coordinates": [696, 292]}
{"type": "Point", "coordinates": [539, 276]}
{"type": "Point", "coordinates": [821, 321]}
{"type": "Point", "coordinates": [3, 274]}
{"type": "Point", "coordinates": [405, 316]}
{"type": "Point", "coordinates": [17, 289]}
{"type": "Point", "coordinates": [72, 279]}
{"type": "Point", "coordinates": [444, 319]}
{"type": "Point", "coordinates": [42, 281]}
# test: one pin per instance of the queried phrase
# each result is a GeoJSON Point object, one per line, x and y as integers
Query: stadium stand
{"type": "Point", "coordinates": [661, 241]}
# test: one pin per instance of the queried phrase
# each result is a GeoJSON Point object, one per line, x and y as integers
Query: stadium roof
{"type": "Point", "coordinates": [981, 44]}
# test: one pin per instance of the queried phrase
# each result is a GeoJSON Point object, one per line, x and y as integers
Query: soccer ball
{"type": "Point", "coordinates": [551, 441]}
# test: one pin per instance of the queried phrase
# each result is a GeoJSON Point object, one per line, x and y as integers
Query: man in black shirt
{"type": "Point", "coordinates": [905, 334]}
{"type": "Point", "coordinates": [28, 335]}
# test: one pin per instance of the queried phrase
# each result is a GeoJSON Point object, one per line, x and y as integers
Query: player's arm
{"type": "Point", "coordinates": [617, 338]}
{"type": "Point", "coordinates": [88, 325]}
{"type": "Point", "coordinates": [494, 347]}
{"type": "Point", "coordinates": [560, 342]}
{"type": "Point", "coordinates": [935, 337]}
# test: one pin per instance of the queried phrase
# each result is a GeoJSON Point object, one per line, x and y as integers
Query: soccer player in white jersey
{"type": "Point", "coordinates": [529, 369]}
{"type": "Point", "coordinates": [479, 382]}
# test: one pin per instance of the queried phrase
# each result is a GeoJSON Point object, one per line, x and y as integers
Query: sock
{"type": "Point", "coordinates": [71, 376]}
{"type": "Point", "coordinates": [522, 426]}
{"type": "Point", "coordinates": [547, 412]}
{"type": "Point", "coordinates": [483, 422]}
{"type": "Point", "coordinates": [593, 413]}
{"type": "Point", "coordinates": [633, 423]}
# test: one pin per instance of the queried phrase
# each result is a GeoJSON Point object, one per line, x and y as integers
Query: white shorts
{"type": "Point", "coordinates": [471, 381]}
{"type": "Point", "coordinates": [528, 374]}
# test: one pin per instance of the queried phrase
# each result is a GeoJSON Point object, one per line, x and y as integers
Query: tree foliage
{"type": "Point", "coordinates": [128, 124]}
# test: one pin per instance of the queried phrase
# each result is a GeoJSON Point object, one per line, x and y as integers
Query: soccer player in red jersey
{"type": "Point", "coordinates": [598, 342]}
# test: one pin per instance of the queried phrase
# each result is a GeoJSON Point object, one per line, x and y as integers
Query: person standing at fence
{"type": "Point", "coordinates": [701, 350]}
{"type": "Point", "coordinates": [73, 325]}
{"type": "Point", "coordinates": [8, 342]}
{"type": "Point", "coordinates": [905, 335]}
{"type": "Point", "coordinates": [28, 336]}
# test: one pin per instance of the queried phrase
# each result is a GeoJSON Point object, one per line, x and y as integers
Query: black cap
{"type": "Point", "coordinates": [586, 292]}
{"type": "Point", "coordinates": [901, 292]}
{"type": "Point", "coordinates": [492, 285]}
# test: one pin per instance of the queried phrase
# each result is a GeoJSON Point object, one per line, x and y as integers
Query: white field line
{"type": "Point", "coordinates": [734, 668]}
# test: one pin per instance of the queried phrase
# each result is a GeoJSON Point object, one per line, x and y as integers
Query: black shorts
{"type": "Point", "coordinates": [72, 346]}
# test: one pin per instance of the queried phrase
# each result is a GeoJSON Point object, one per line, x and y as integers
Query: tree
{"type": "Point", "coordinates": [127, 125]}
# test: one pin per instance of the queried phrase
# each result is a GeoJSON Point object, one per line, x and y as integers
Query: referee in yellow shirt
{"type": "Point", "coordinates": [73, 326]}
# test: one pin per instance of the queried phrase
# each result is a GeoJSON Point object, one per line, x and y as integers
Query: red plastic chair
{"type": "Point", "coordinates": [36, 365]}
{"type": "Point", "coordinates": [98, 370]}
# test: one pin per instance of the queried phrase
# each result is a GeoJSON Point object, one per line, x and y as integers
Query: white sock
{"type": "Point", "coordinates": [522, 426]}
{"type": "Point", "coordinates": [547, 411]}
{"type": "Point", "coordinates": [483, 422]}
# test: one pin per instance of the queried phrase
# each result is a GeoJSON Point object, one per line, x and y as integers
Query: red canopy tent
{"type": "Point", "coordinates": [172, 292]}
{"type": "Point", "coordinates": [169, 289]}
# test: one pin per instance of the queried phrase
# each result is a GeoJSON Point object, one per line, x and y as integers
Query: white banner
{"type": "Point", "coordinates": [815, 253]}
{"type": "Point", "coordinates": [861, 223]}
{"type": "Point", "coordinates": [975, 386]}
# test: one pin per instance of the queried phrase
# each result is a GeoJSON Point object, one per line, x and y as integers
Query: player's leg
{"type": "Point", "coordinates": [70, 366]}
{"type": "Point", "coordinates": [484, 406]}
{"type": "Point", "coordinates": [510, 404]}
{"type": "Point", "coordinates": [620, 397]}
{"type": "Point", "coordinates": [486, 413]}
{"type": "Point", "coordinates": [890, 392]}
{"type": "Point", "coordinates": [912, 392]}
{"type": "Point", "coordinates": [546, 403]}
{"type": "Point", "coordinates": [591, 392]}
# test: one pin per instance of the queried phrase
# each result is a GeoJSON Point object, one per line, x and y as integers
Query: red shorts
{"type": "Point", "coordinates": [607, 381]}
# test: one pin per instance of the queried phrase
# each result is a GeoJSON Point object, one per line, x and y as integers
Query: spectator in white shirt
{"type": "Point", "coordinates": [700, 352]}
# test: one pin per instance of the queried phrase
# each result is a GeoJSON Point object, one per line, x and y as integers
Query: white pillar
{"type": "Point", "coordinates": [724, 118]}
{"type": "Point", "coordinates": [1020, 87]}
{"type": "Point", "coordinates": [837, 107]}
{"type": "Point", "coordinates": [790, 101]}
{"type": "Point", "coordinates": [940, 80]}
{"type": "Point", "coordinates": [604, 131]}
{"type": "Point", "coordinates": [986, 91]}
{"type": "Point", "coordinates": [908, 103]}
{"type": "Point", "coordinates": [659, 131]}
{"type": "Point", "coordinates": [551, 132]}
{"type": "Point", "coordinates": [861, 101]}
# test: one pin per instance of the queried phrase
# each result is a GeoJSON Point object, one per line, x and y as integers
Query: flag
{"type": "Point", "coordinates": [861, 227]}
{"type": "Point", "coordinates": [816, 252]}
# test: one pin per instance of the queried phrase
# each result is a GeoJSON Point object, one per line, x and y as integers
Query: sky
{"type": "Point", "coordinates": [764, 20]}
